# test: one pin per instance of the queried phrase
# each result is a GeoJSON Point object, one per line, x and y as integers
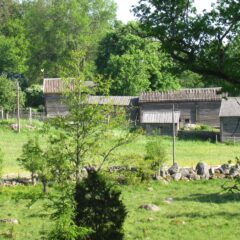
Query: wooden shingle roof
{"type": "Point", "coordinates": [186, 95]}
{"type": "Point", "coordinates": [56, 85]}
{"type": "Point", "coordinates": [114, 100]}
{"type": "Point", "coordinates": [230, 107]}
{"type": "Point", "coordinates": [160, 117]}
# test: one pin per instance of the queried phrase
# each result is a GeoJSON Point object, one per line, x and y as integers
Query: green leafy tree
{"type": "Point", "coordinates": [202, 42]}
{"type": "Point", "coordinates": [8, 94]}
{"type": "Point", "coordinates": [13, 41]}
{"type": "Point", "coordinates": [31, 157]}
{"type": "Point", "coordinates": [53, 34]}
{"type": "Point", "coordinates": [99, 208]}
{"type": "Point", "coordinates": [134, 63]}
{"type": "Point", "coordinates": [34, 96]}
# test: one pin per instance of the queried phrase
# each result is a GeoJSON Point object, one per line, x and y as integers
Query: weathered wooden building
{"type": "Point", "coordinates": [196, 106]}
{"type": "Point", "coordinates": [230, 119]}
{"type": "Point", "coordinates": [55, 104]}
{"type": "Point", "coordinates": [156, 122]}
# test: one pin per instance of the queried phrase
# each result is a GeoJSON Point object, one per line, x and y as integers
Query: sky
{"type": "Point", "coordinates": [124, 7]}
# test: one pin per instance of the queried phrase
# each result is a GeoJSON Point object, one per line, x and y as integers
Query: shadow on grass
{"type": "Point", "coordinates": [226, 215]}
{"type": "Point", "coordinates": [211, 198]}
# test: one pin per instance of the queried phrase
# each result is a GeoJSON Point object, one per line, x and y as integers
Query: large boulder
{"type": "Point", "coordinates": [202, 170]}
{"type": "Point", "coordinates": [173, 169]}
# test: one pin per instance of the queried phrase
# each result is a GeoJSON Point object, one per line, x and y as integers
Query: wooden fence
{"type": "Point", "coordinates": [26, 114]}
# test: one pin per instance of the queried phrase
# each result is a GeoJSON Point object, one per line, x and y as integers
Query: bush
{"type": "Point", "coordinates": [99, 208]}
{"type": "Point", "coordinates": [156, 153]}
{"type": "Point", "coordinates": [34, 96]}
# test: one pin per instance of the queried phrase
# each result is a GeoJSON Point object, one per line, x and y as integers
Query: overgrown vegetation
{"type": "Point", "coordinates": [196, 206]}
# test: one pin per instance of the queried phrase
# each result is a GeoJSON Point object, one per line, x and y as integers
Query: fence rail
{"type": "Point", "coordinates": [24, 114]}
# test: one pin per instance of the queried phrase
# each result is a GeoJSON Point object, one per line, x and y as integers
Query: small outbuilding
{"type": "Point", "coordinates": [160, 122]}
{"type": "Point", "coordinates": [230, 119]}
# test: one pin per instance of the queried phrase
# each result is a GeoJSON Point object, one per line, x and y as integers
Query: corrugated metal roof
{"type": "Point", "coordinates": [193, 94]}
{"type": "Point", "coordinates": [159, 117]}
{"type": "Point", "coordinates": [56, 85]}
{"type": "Point", "coordinates": [114, 100]}
{"type": "Point", "coordinates": [230, 107]}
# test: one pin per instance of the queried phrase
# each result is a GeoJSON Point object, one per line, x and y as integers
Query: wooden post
{"type": "Point", "coordinates": [174, 134]}
{"type": "Point", "coordinates": [2, 116]}
{"type": "Point", "coordinates": [216, 138]}
{"type": "Point", "coordinates": [7, 115]}
{"type": "Point", "coordinates": [30, 116]}
{"type": "Point", "coordinates": [18, 108]}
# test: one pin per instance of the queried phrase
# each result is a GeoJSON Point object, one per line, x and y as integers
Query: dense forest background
{"type": "Point", "coordinates": [167, 49]}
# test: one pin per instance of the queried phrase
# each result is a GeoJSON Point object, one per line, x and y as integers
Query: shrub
{"type": "Point", "coordinates": [99, 208]}
{"type": "Point", "coordinates": [156, 153]}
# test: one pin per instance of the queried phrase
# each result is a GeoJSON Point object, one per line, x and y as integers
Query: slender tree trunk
{"type": "Point", "coordinates": [44, 186]}
{"type": "Point", "coordinates": [32, 178]}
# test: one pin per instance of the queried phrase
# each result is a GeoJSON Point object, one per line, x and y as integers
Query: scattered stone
{"type": "Point", "coordinates": [164, 171]}
{"type": "Point", "coordinates": [168, 200]}
{"type": "Point", "coordinates": [225, 169]}
{"type": "Point", "coordinates": [194, 177]}
{"type": "Point", "coordinates": [9, 220]}
{"type": "Point", "coordinates": [173, 169]}
{"type": "Point", "coordinates": [159, 178]}
{"type": "Point", "coordinates": [234, 171]}
{"type": "Point", "coordinates": [203, 170]}
{"type": "Point", "coordinates": [150, 207]}
{"type": "Point", "coordinates": [211, 171]}
{"type": "Point", "coordinates": [185, 172]}
{"type": "Point", "coordinates": [178, 222]}
{"type": "Point", "coordinates": [177, 176]}
{"type": "Point", "coordinates": [185, 179]}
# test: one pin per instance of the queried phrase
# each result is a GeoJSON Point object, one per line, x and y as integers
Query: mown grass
{"type": "Point", "coordinates": [188, 153]}
{"type": "Point", "coordinates": [199, 211]}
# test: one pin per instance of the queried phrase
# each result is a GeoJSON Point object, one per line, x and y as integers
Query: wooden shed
{"type": "Point", "coordinates": [160, 122]}
{"type": "Point", "coordinates": [55, 103]}
{"type": "Point", "coordinates": [196, 106]}
{"type": "Point", "coordinates": [230, 119]}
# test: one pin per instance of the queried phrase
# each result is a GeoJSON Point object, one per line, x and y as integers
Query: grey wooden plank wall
{"type": "Point", "coordinates": [230, 129]}
{"type": "Point", "coordinates": [196, 112]}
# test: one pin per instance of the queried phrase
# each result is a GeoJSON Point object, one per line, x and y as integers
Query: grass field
{"type": "Point", "coordinates": [188, 153]}
{"type": "Point", "coordinates": [198, 211]}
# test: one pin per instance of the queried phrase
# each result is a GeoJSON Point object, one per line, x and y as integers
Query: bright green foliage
{"type": "Point", "coordinates": [99, 208]}
{"type": "Point", "coordinates": [13, 42]}
{"type": "Point", "coordinates": [34, 96]}
{"type": "Point", "coordinates": [201, 42]}
{"type": "Point", "coordinates": [134, 63]}
{"type": "Point", "coordinates": [63, 206]}
{"type": "Point", "coordinates": [8, 93]}
{"type": "Point", "coordinates": [156, 153]}
{"type": "Point", "coordinates": [57, 27]}
{"type": "Point", "coordinates": [31, 158]}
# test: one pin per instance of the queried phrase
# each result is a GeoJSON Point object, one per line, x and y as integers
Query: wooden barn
{"type": "Point", "coordinates": [160, 122]}
{"type": "Point", "coordinates": [56, 105]}
{"type": "Point", "coordinates": [230, 119]}
{"type": "Point", "coordinates": [196, 106]}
